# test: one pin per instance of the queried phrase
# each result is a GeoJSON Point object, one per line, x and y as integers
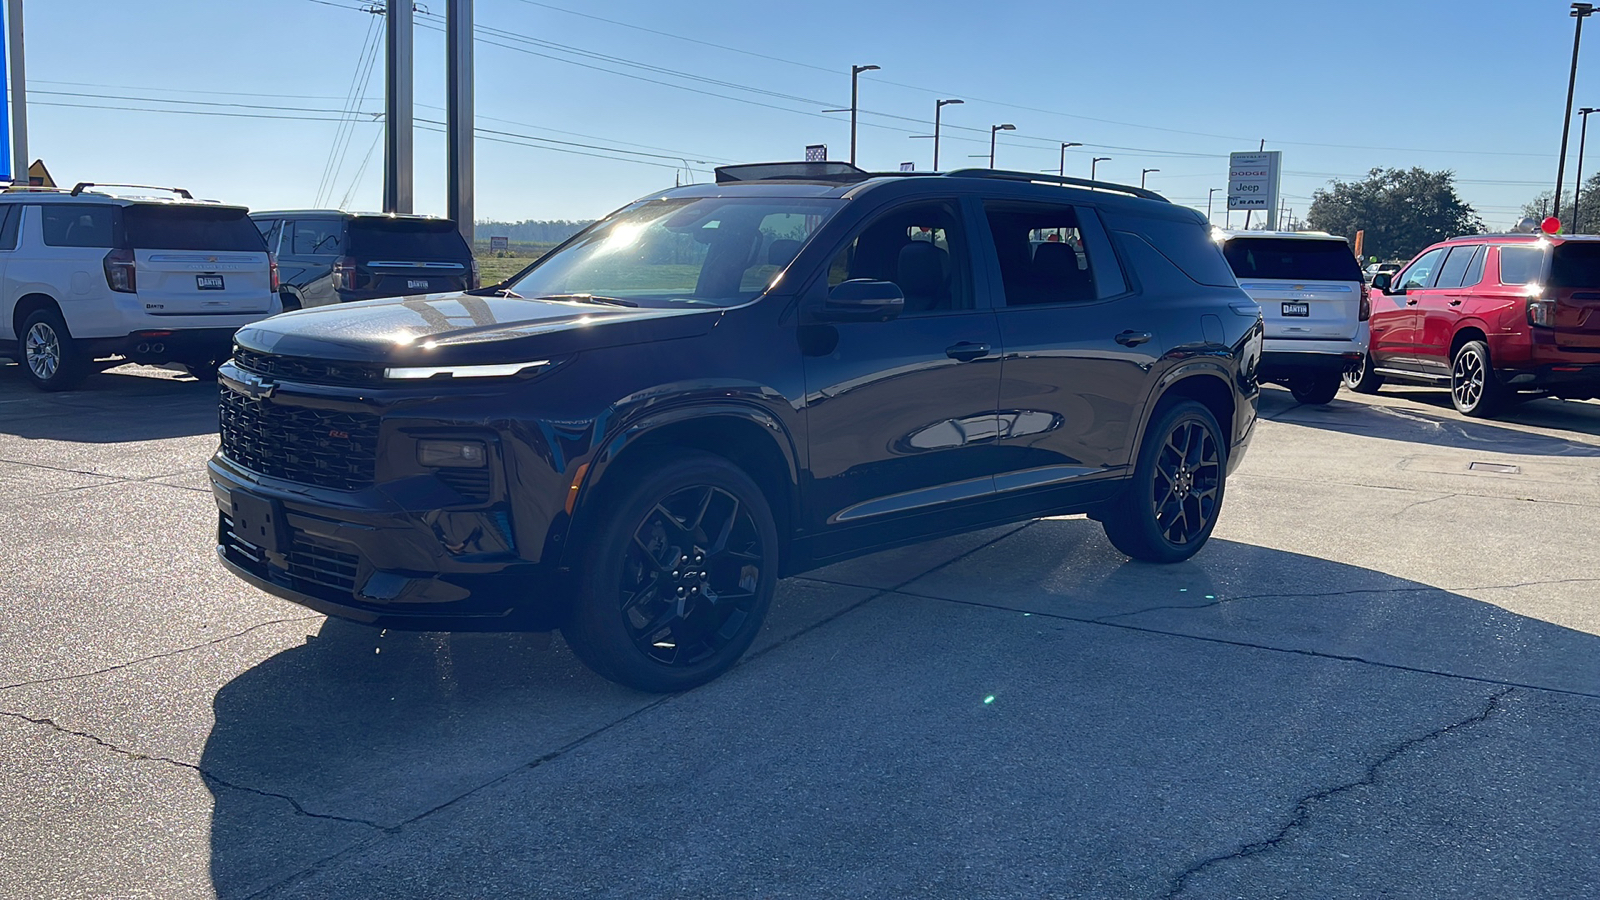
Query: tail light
{"type": "Point", "coordinates": [1541, 312]}
{"type": "Point", "coordinates": [344, 274]}
{"type": "Point", "coordinates": [1366, 302]}
{"type": "Point", "coordinates": [272, 271]}
{"type": "Point", "coordinates": [473, 281]}
{"type": "Point", "coordinates": [119, 271]}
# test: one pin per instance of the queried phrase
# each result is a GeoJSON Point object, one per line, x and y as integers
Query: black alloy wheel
{"type": "Point", "coordinates": [1474, 389]}
{"type": "Point", "coordinates": [1176, 490]}
{"type": "Point", "coordinates": [1360, 378]}
{"type": "Point", "coordinates": [678, 581]}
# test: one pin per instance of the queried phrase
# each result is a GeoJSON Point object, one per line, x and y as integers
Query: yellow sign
{"type": "Point", "coordinates": [39, 176]}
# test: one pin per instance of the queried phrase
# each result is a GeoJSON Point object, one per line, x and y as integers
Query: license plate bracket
{"type": "Point", "coordinates": [209, 282]}
{"type": "Point", "coordinates": [259, 521]}
{"type": "Point", "coordinates": [1297, 309]}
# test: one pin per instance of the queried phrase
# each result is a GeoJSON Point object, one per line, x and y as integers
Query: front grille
{"type": "Point", "coordinates": [314, 566]}
{"type": "Point", "coordinates": [321, 447]}
{"type": "Point", "coordinates": [472, 484]}
{"type": "Point", "coordinates": [306, 369]}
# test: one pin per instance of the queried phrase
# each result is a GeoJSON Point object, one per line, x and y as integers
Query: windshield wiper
{"type": "Point", "coordinates": [588, 298]}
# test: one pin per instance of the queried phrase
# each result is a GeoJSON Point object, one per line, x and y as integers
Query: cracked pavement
{"type": "Point", "coordinates": [1381, 678]}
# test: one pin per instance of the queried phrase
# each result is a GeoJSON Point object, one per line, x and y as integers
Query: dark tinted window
{"type": "Point", "coordinates": [1187, 243]}
{"type": "Point", "coordinates": [1475, 269]}
{"type": "Point", "coordinates": [315, 237]}
{"type": "Point", "coordinates": [407, 239]}
{"type": "Point", "coordinates": [1521, 265]}
{"type": "Point", "coordinates": [1046, 257]}
{"type": "Point", "coordinates": [78, 225]}
{"type": "Point", "coordinates": [1574, 265]}
{"type": "Point", "coordinates": [1299, 259]}
{"type": "Point", "coordinates": [189, 228]}
{"type": "Point", "coordinates": [1456, 263]}
{"type": "Point", "coordinates": [8, 227]}
{"type": "Point", "coordinates": [921, 248]}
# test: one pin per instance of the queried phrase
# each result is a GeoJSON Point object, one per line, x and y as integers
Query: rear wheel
{"type": "Point", "coordinates": [50, 356]}
{"type": "Point", "coordinates": [1360, 377]}
{"type": "Point", "coordinates": [1474, 389]}
{"type": "Point", "coordinates": [203, 369]}
{"type": "Point", "coordinates": [676, 582]}
{"type": "Point", "coordinates": [1177, 488]}
{"type": "Point", "coordinates": [1317, 389]}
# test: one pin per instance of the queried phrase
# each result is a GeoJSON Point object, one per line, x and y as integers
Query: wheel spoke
{"type": "Point", "coordinates": [719, 544]}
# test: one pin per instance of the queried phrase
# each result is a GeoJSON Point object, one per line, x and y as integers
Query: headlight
{"type": "Point", "coordinates": [452, 454]}
{"type": "Point", "coordinates": [501, 370]}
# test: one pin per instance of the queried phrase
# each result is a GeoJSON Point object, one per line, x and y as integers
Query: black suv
{"type": "Point", "coordinates": [328, 256]}
{"type": "Point", "coordinates": [719, 385]}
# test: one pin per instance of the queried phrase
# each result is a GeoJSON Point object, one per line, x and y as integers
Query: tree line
{"type": "Point", "coordinates": [535, 231]}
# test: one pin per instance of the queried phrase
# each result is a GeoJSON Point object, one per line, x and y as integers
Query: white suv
{"type": "Point", "coordinates": [1314, 305]}
{"type": "Point", "coordinates": [86, 275]}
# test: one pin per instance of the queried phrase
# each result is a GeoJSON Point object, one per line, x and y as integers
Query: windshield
{"type": "Point", "coordinates": [190, 228]}
{"type": "Point", "coordinates": [1298, 259]}
{"type": "Point", "coordinates": [713, 251]}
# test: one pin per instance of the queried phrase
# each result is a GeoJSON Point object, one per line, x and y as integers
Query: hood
{"type": "Point", "coordinates": [440, 329]}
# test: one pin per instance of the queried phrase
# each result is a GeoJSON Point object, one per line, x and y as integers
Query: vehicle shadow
{"type": "Point", "coordinates": [367, 730]}
{"type": "Point", "coordinates": [124, 404]}
{"type": "Point", "coordinates": [1446, 428]}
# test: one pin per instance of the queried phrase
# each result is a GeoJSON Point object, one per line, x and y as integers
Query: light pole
{"type": "Point", "coordinates": [1095, 162]}
{"type": "Point", "coordinates": [937, 106]}
{"type": "Point", "coordinates": [1577, 183]}
{"type": "Point", "coordinates": [1143, 173]}
{"type": "Point", "coordinates": [1209, 194]}
{"type": "Point", "coordinates": [994, 130]}
{"type": "Point", "coordinates": [855, 79]}
{"type": "Point", "coordinates": [1580, 11]}
{"type": "Point", "coordinates": [1064, 146]}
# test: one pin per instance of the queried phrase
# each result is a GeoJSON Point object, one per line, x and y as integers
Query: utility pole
{"type": "Point", "coordinates": [19, 95]}
{"type": "Point", "coordinates": [459, 116]}
{"type": "Point", "coordinates": [397, 92]}
{"type": "Point", "coordinates": [938, 106]}
{"type": "Point", "coordinates": [1064, 146]}
{"type": "Point", "coordinates": [855, 80]}
{"type": "Point", "coordinates": [1577, 183]}
{"type": "Point", "coordinates": [1580, 11]}
{"type": "Point", "coordinates": [1209, 194]}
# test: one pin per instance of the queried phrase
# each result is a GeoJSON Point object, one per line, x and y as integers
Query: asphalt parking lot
{"type": "Point", "coordinates": [1382, 678]}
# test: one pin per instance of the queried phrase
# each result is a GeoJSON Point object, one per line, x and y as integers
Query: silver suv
{"type": "Point", "coordinates": [1314, 306]}
{"type": "Point", "coordinates": [86, 275]}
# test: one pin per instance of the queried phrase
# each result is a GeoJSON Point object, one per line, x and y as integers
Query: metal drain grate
{"type": "Point", "coordinates": [1496, 468]}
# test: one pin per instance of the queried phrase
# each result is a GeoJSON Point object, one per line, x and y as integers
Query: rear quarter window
{"type": "Point", "coordinates": [1521, 265]}
{"type": "Point", "coordinates": [190, 228]}
{"type": "Point", "coordinates": [79, 225]}
{"type": "Point", "coordinates": [1186, 243]}
{"type": "Point", "coordinates": [1297, 259]}
{"type": "Point", "coordinates": [407, 239]}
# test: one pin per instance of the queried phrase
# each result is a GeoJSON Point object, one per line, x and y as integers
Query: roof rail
{"type": "Point", "coordinates": [82, 186]}
{"type": "Point", "coordinates": [1063, 180]}
{"type": "Point", "coordinates": [831, 172]}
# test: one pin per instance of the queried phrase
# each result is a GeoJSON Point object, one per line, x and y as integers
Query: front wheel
{"type": "Point", "coordinates": [1317, 390]}
{"type": "Point", "coordinates": [203, 369]}
{"type": "Point", "coordinates": [676, 581]}
{"type": "Point", "coordinates": [1360, 377]}
{"type": "Point", "coordinates": [1176, 490]}
{"type": "Point", "coordinates": [1474, 389]}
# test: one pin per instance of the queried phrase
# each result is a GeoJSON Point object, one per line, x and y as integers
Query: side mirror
{"type": "Point", "coordinates": [863, 300]}
{"type": "Point", "coordinates": [1382, 281]}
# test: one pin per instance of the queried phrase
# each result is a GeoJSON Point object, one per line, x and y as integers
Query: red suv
{"type": "Point", "coordinates": [1489, 315]}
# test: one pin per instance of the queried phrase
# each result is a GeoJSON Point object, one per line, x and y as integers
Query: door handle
{"type": "Point", "coordinates": [1133, 338]}
{"type": "Point", "coordinates": [1455, 302]}
{"type": "Point", "coordinates": [1412, 302]}
{"type": "Point", "coordinates": [967, 351]}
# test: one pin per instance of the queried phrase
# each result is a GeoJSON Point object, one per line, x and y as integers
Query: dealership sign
{"type": "Point", "coordinates": [1253, 180]}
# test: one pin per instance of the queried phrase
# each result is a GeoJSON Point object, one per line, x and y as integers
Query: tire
{"type": "Point", "coordinates": [641, 616]}
{"type": "Point", "coordinates": [1182, 461]}
{"type": "Point", "coordinates": [50, 357]}
{"type": "Point", "coordinates": [1360, 378]}
{"type": "Point", "coordinates": [1474, 389]}
{"type": "Point", "coordinates": [289, 301]}
{"type": "Point", "coordinates": [1318, 389]}
{"type": "Point", "coordinates": [203, 370]}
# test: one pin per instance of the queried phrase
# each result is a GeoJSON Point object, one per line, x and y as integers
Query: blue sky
{"type": "Point", "coordinates": [1338, 87]}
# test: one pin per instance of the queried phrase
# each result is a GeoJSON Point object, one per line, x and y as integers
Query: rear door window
{"type": "Point", "coordinates": [190, 228]}
{"type": "Point", "coordinates": [79, 225]}
{"type": "Point", "coordinates": [315, 237]}
{"type": "Point", "coordinates": [407, 240]}
{"type": "Point", "coordinates": [1046, 256]}
{"type": "Point", "coordinates": [1521, 265]}
{"type": "Point", "coordinates": [1455, 266]}
{"type": "Point", "coordinates": [1294, 259]}
{"type": "Point", "coordinates": [1573, 265]}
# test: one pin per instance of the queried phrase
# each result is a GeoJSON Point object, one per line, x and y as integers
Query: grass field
{"type": "Point", "coordinates": [496, 266]}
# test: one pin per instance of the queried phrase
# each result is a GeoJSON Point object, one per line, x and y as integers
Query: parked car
{"type": "Point", "coordinates": [90, 275]}
{"type": "Point", "coordinates": [1313, 302]}
{"type": "Point", "coordinates": [328, 256]}
{"type": "Point", "coordinates": [718, 385]}
{"type": "Point", "coordinates": [1490, 315]}
{"type": "Point", "coordinates": [1374, 269]}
